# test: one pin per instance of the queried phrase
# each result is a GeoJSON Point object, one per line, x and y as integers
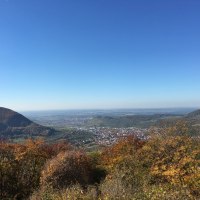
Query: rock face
{"type": "Point", "coordinates": [13, 124]}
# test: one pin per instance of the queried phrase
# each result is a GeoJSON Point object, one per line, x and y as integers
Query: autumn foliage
{"type": "Point", "coordinates": [21, 165]}
{"type": "Point", "coordinates": [165, 166]}
{"type": "Point", "coordinates": [123, 149]}
{"type": "Point", "coordinates": [67, 168]}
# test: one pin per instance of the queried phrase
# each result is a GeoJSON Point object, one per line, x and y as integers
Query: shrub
{"type": "Point", "coordinates": [67, 168]}
{"type": "Point", "coordinates": [20, 167]}
{"type": "Point", "coordinates": [74, 192]}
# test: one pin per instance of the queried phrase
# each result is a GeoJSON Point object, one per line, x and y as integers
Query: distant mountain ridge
{"type": "Point", "coordinates": [13, 124]}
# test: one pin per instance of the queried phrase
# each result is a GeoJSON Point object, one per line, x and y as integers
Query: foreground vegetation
{"type": "Point", "coordinates": [166, 166]}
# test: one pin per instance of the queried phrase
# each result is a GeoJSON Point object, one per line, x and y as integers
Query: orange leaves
{"type": "Point", "coordinates": [119, 151]}
{"type": "Point", "coordinates": [21, 165]}
{"type": "Point", "coordinates": [67, 168]}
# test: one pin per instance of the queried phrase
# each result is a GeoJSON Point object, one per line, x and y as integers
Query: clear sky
{"type": "Point", "coordinates": [72, 54]}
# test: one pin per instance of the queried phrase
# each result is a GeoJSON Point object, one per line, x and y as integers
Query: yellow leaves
{"type": "Point", "coordinates": [20, 155]}
{"type": "Point", "coordinates": [186, 160]}
{"type": "Point", "coordinates": [155, 170]}
{"type": "Point", "coordinates": [171, 172]}
{"type": "Point", "coordinates": [168, 172]}
{"type": "Point", "coordinates": [175, 160]}
{"type": "Point", "coordinates": [120, 151]}
{"type": "Point", "coordinates": [180, 128]}
{"type": "Point", "coordinates": [146, 148]}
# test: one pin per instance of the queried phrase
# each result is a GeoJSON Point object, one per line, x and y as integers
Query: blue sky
{"type": "Point", "coordinates": [72, 54]}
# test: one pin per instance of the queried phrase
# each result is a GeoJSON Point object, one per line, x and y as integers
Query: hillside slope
{"type": "Point", "coordinates": [13, 124]}
{"type": "Point", "coordinates": [140, 121]}
{"type": "Point", "coordinates": [194, 114]}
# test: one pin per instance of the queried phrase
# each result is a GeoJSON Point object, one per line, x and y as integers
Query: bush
{"type": "Point", "coordinates": [20, 167]}
{"type": "Point", "coordinates": [67, 168]}
{"type": "Point", "coordinates": [74, 192]}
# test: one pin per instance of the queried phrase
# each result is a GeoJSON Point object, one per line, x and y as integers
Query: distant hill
{"type": "Point", "coordinates": [13, 124]}
{"type": "Point", "coordinates": [194, 118]}
{"type": "Point", "coordinates": [140, 121]}
{"type": "Point", "coordinates": [194, 114]}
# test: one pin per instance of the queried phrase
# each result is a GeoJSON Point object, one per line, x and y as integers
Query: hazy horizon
{"type": "Point", "coordinates": [28, 109]}
{"type": "Point", "coordinates": [131, 110]}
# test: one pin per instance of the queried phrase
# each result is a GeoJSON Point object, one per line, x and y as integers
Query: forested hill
{"type": "Point", "coordinates": [141, 121]}
{"type": "Point", "coordinates": [13, 119]}
{"type": "Point", "coordinates": [195, 114]}
{"type": "Point", "coordinates": [13, 124]}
